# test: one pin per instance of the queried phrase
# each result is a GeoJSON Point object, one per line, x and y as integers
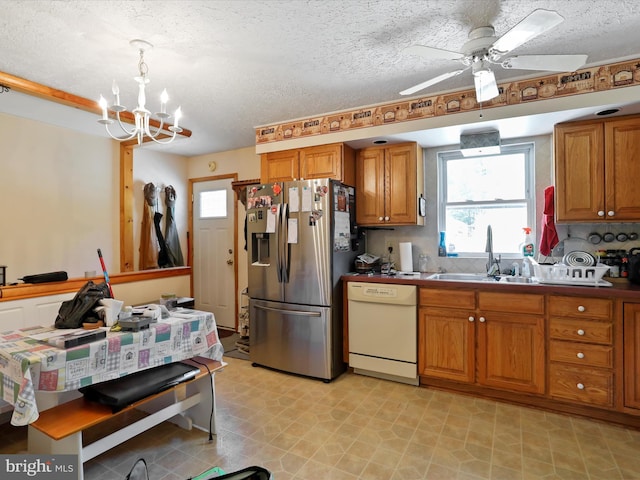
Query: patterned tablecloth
{"type": "Point", "coordinates": [28, 364]}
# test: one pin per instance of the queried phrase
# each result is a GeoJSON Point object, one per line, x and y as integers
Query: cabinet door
{"type": "Point", "coordinates": [447, 344]}
{"type": "Point", "coordinates": [370, 187]}
{"type": "Point", "coordinates": [511, 351]}
{"type": "Point", "coordinates": [579, 154]}
{"type": "Point", "coordinates": [401, 199]}
{"type": "Point", "coordinates": [279, 166]}
{"type": "Point", "coordinates": [324, 161]}
{"type": "Point", "coordinates": [622, 152]}
{"type": "Point", "coordinates": [631, 340]}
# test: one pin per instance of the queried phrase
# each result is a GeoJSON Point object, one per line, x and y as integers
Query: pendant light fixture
{"type": "Point", "coordinates": [142, 116]}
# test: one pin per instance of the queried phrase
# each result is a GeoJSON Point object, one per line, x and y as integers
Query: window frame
{"type": "Point", "coordinates": [526, 148]}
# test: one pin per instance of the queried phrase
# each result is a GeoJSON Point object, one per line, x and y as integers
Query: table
{"type": "Point", "coordinates": [28, 365]}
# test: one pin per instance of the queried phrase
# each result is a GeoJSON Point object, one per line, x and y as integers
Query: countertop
{"type": "Point", "coordinates": [621, 288]}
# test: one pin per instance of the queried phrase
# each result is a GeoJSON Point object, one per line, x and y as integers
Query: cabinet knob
{"type": "Point", "coordinates": [581, 308]}
{"type": "Point", "coordinates": [580, 355]}
{"type": "Point", "coordinates": [611, 213]}
{"type": "Point", "coordinates": [482, 319]}
{"type": "Point", "coordinates": [601, 213]}
{"type": "Point", "coordinates": [580, 386]}
{"type": "Point", "coordinates": [386, 219]}
{"type": "Point", "coordinates": [380, 219]}
{"type": "Point", "coordinates": [471, 319]}
{"type": "Point", "coordinates": [580, 332]}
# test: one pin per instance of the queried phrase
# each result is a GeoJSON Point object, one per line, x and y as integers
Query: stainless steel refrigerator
{"type": "Point", "coordinates": [301, 237]}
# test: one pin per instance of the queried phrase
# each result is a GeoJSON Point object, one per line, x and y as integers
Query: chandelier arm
{"type": "Point", "coordinates": [131, 132]}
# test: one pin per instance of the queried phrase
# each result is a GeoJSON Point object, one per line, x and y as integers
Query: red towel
{"type": "Point", "coordinates": [549, 237]}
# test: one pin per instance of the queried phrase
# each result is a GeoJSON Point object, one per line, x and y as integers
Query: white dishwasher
{"type": "Point", "coordinates": [383, 330]}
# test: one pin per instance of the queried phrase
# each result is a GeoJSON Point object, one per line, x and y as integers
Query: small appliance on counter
{"type": "Point", "coordinates": [367, 263]}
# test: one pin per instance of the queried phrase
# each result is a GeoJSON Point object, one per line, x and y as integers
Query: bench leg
{"type": "Point", "coordinates": [200, 414]}
{"type": "Point", "coordinates": [38, 442]}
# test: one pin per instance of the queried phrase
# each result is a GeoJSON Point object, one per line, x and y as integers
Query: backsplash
{"type": "Point", "coordinates": [425, 240]}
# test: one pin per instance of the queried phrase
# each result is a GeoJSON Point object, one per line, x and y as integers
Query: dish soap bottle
{"type": "Point", "coordinates": [442, 248]}
{"type": "Point", "coordinates": [528, 248]}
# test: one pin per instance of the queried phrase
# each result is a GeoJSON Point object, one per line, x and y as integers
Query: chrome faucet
{"type": "Point", "coordinates": [493, 265]}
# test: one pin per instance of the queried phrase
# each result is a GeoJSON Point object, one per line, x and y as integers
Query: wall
{"type": "Point", "coordinates": [425, 239]}
{"type": "Point", "coordinates": [60, 195]}
{"type": "Point", "coordinates": [162, 170]}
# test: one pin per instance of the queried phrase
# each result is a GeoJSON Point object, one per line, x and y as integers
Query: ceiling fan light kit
{"type": "Point", "coordinates": [484, 49]}
{"type": "Point", "coordinates": [142, 116]}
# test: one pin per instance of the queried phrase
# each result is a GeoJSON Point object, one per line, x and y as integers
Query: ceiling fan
{"type": "Point", "coordinates": [484, 49]}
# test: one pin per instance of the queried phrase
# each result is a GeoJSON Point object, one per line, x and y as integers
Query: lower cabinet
{"type": "Point", "coordinates": [631, 347]}
{"type": "Point", "coordinates": [581, 355]}
{"type": "Point", "coordinates": [486, 338]}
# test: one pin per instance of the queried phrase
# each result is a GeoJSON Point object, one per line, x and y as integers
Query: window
{"type": "Point", "coordinates": [475, 192]}
{"type": "Point", "coordinates": [213, 204]}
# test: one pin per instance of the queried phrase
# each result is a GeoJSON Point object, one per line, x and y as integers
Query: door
{"type": "Point", "coordinates": [214, 271]}
{"type": "Point", "coordinates": [308, 243]}
{"type": "Point", "coordinates": [292, 338]}
{"type": "Point", "coordinates": [622, 149]}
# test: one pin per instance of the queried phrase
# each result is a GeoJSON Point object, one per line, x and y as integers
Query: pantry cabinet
{"type": "Point", "coordinates": [491, 339]}
{"type": "Point", "coordinates": [336, 161]}
{"type": "Point", "coordinates": [631, 347]}
{"type": "Point", "coordinates": [389, 182]}
{"type": "Point", "coordinates": [596, 170]}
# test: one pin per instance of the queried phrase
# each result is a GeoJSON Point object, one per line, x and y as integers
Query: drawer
{"type": "Point", "coordinates": [582, 354]}
{"type": "Point", "coordinates": [511, 302]}
{"type": "Point", "coordinates": [588, 331]}
{"type": "Point", "coordinates": [437, 297]}
{"type": "Point", "coordinates": [585, 385]}
{"type": "Point", "coordinates": [581, 307]}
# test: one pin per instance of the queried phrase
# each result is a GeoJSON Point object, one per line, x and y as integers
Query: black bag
{"type": "Point", "coordinates": [45, 277]}
{"type": "Point", "coordinates": [73, 313]}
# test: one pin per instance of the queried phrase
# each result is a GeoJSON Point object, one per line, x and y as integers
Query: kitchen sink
{"type": "Point", "coordinates": [517, 280]}
{"type": "Point", "coordinates": [462, 277]}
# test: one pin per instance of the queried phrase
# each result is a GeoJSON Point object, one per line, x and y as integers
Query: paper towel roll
{"type": "Point", "coordinates": [406, 260]}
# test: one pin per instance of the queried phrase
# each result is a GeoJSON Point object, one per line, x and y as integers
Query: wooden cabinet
{"type": "Point", "coordinates": [389, 181]}
{"type": "Point", "coordinates": [631, 323]}
{"type": "Point", "coordinates": [335, 161]}
{"type": "Point", "coordinates": [492, 339]}
{"type": "Point", "coordinates": [597, 170]}
{"type": "Point", "coordinates": [581, 354]}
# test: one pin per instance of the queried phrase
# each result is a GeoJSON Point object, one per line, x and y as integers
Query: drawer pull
{"type": "Point", "coordinates": [581, 308]}
{"type": "Point", "coordinates": [471, 319]}
{"type": "Point", "coordinates": [580, 332]}
{"type": "Point", "coordinates": [580, 386]}
{"type": "Point", "coordinates": [580, 355]}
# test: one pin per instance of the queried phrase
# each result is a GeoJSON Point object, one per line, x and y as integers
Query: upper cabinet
{"type": "Point", "coordinates": [597, 167]}
{"type": "Point", "coordinates": [389, 182]}
{"type": "Point", "coordinates": [335, 161]}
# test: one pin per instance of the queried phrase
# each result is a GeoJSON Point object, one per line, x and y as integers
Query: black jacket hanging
{"type": "Point", "coordinates": [170, 232]}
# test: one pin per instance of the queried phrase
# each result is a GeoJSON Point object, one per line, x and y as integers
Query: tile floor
{"type": "Point", "coordinates": [358, 427]}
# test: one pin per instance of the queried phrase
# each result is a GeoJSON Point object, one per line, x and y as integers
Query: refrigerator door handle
{"type": "Point", "coordinates": [279, 246]}
{"type": "Point", "coordinates": [284, 242]}
{"type": "Point", "coordinates": [294, 312]}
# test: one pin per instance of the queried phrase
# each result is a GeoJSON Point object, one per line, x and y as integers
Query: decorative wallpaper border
{"type": "Point", "coordinates": [588, 80]}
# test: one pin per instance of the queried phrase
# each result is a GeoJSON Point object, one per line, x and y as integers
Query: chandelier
{"type": "Point", "coordinates": [142, 116]}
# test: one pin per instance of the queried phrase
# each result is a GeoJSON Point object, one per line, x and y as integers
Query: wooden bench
{"type": "Point", "coordinates": [59, 430]}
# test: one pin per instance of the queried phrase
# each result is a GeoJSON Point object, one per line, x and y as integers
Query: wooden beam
{"type": "Point", "coordinates": [126, 209]}
{"type": "Point", "coordinates": [69, 99]}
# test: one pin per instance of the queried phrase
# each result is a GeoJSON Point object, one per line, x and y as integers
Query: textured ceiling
{"type": "Point", "coordinates": [233, 65]}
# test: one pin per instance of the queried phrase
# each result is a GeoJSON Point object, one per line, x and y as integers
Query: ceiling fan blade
{"type": "Point", "coordinates": [486, 87]}
{"type": "Point", "coordinates": [554, 63]}
{"type": "Point", "coordinates": [433, 81]}
{"type": "Point", "coordinates": [435, 53]}
{"type": "Point", "coordinates": [536, 23]}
